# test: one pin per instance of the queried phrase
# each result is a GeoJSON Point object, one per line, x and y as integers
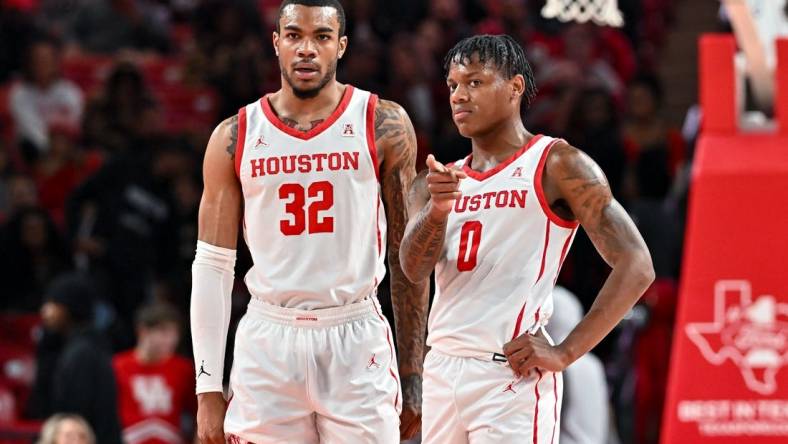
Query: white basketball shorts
{"type": "Point", "coordinates": [309, 376]}
{"type": "Point", "coordinates": [479, 401]}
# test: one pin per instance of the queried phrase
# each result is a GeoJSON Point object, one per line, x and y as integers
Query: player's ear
{"type": "Point", "coordinates": [517, 84]}
{"type": "Point", "coordinates": [342, 45]}
{"type": "Point", "coordinates": [275, 39]}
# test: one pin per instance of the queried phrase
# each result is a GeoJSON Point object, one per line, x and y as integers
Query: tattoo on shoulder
{"type": "Point", "coordinates": [584, 179]}
{"type": "Point", "coordinates": [232, 123]}
{"type": "Point", "coordinates": [394, 134]}
{"type": "Point", "coordinates": [389, 121]}
{"type": "Point", "coordinates": [588, 192]}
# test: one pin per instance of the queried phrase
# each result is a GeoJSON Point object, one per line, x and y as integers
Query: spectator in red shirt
{"type": "Point", "coordinates": [155, 386]}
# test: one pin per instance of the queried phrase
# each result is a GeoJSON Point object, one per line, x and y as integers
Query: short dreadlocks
{"type": "Point", "coordinates": [502, 51]}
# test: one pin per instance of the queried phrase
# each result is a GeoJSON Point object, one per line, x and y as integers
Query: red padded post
{"type": "Point", "coordinates": [781, 87]}
{"type": "Point", "coordinates": [717, 80]}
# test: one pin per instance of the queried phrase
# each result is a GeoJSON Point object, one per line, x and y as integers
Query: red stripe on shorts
{"type": "Point", "coordinates": [536, 410]}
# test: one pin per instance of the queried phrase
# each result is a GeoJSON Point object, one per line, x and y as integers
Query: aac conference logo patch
{"type": "Point", "coordinates": [752, 334]}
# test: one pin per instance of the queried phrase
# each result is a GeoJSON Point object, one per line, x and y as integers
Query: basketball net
{"type": "Point", "coordinates": [601, 12]}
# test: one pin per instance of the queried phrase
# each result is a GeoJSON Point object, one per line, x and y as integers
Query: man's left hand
{"type": "Point", "coordinates": [528, 351]}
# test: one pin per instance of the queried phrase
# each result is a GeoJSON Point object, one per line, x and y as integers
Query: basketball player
{"type": "Point", "coordinates": [496, 226]}
{"type": "Point", "coordinates": [307, 165]}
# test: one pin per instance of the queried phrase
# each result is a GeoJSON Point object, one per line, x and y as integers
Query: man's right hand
{"type": "Point", "coordinates": [210, 417]}
{"type": "Point", "coordinates": [443, 184]}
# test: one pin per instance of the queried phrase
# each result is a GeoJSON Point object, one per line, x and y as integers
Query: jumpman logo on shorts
{"type": "Point", "coordinates": [510, 388]}
{"type": "Point", "coordinates": [202, 370]}
{"type": "Point", "coordinates": [372, 362]}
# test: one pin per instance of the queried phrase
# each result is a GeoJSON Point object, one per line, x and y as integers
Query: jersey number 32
{"type": "Point", "coordinates": [321, 195]}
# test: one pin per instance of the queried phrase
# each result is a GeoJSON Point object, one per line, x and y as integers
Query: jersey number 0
{"type": "Point", "coordinates": [470, 238]}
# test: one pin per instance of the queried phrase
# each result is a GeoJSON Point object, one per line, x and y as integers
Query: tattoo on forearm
{"type": "Point", "coordinates": [411, 390]}
{"type": "Point", "coordinates": [424, 242]}
{"type": "Point", "coordinates": [232, 124]}
{"type": "Point", "coordinates": [395, 137]}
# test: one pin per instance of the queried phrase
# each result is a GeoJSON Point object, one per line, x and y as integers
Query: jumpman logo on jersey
{"type": "Point", "coordinates": [372, 362]}
{"type": "Point", "coordinates": [510, 388]}
{"type": "Point", "coordinates": [260, 142]}
{"type": "Point", "coordinates": [518, 172]}
{"type": "Point", "coordinates": [202, 370]}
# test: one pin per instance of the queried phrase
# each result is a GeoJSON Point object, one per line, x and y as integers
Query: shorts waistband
{"type": "Point", "coordinates": [319, 318]}
{"type": "Point", "coordinates": [489, 355]}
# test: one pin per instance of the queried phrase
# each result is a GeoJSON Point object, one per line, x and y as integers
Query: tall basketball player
{"type": "Point", "coordinates": [496, 226]}
{"type": "Point", "coordinates": [305, 167]}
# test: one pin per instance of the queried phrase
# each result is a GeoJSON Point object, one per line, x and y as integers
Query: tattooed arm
{"type": "Point", "coordinates": [396, 142]}
{"type": "Point", "coordinates": [220, 210]}
{"type": "Point", "coordinates": [429, 203]}
{"type": "Point", "coordinates": [576, 187]}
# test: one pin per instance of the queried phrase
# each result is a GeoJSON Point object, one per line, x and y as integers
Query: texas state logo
{"type": "Point", "coordinates": [751, 334]}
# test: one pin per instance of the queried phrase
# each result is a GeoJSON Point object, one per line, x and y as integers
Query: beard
{"type": "Point", "coordinates": [310, 93]}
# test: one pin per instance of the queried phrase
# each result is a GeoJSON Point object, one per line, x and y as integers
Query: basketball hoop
{"type": "Point", "coordinates": [601, 12]}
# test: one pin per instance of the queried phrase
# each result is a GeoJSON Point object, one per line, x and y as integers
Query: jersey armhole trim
{"type": "Point", "coordinates": [554, 218]}
{"type": "Point", "coordinates": [372, 103]}
{"type": "Point", "coordinates": [239, 146]}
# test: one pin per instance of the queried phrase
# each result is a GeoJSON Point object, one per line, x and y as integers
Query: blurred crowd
{"type": "Point", "coordinates": [105, 110]}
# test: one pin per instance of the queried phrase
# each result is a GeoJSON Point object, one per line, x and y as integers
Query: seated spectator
{"type": "Point", "coordinates": [655, 150]}
{"type": "Point", "coordinates": [66, 429]}
{"type": "Point", "coordinates": [33, 254]}
{"type": "Point", "coordinates": [5, 174]}
{"type": "Point", "coordinates": [78, 376]}
{"type": "Point", "coordinates": [65, 167]}
{"type": "Point", "coordinates": [594, 128]}
{"type": "Point", "coordinates": [155, 386]}
{"type": "Point", "coordinates": [121, 118]}
{"type": "Point", "coordinates": [22, 193]}
{"type": "Point", "coordinates": [107, 26]}
{"type": "Point", "coordinates": [120, 221]}
{"type": "Point", "coordinates": [42, 99]}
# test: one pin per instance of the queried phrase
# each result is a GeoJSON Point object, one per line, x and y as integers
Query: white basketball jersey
{"type": "Point", "coordinates": [501, 256]}
{"type": "Point", "coordinates": [313, 218]}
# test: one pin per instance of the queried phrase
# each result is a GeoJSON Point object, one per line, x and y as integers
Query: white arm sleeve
{"type": "Point", "coordinates": [212, 285]}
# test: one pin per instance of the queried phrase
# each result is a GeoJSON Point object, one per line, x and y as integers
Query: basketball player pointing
{"type": "Point", "coordinates": [497, 226]}
{"type": "Point", "coordinates": [313, 359]}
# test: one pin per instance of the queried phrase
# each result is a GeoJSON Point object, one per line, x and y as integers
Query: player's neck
{"type": "Point", "coordinates": [498, 144]}
{"type": "Point", "coordinates": [285, 102]}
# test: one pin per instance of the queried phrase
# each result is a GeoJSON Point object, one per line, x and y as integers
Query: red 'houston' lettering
{"type": "Point", "coordinates": [334, 161]}
{"type": "Point", "coordinates": [272, 165]}
{"type": "Point", "coordinates": [257, 167]}
{"type": "Point", "coordinates": [518, 199]}
{"type": "Point", "coordinates": [319, 158]}
{"type": "Point", "coordinates": [488, 196]}
{"type": "Point", "coordinates": [502, 199]}
{"type": "Point", "coordinates": [304, 163]}
{"type": "Point", "coordinates": [350, 160]}
{"type": "Point", "coordinates": [289, 168]}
